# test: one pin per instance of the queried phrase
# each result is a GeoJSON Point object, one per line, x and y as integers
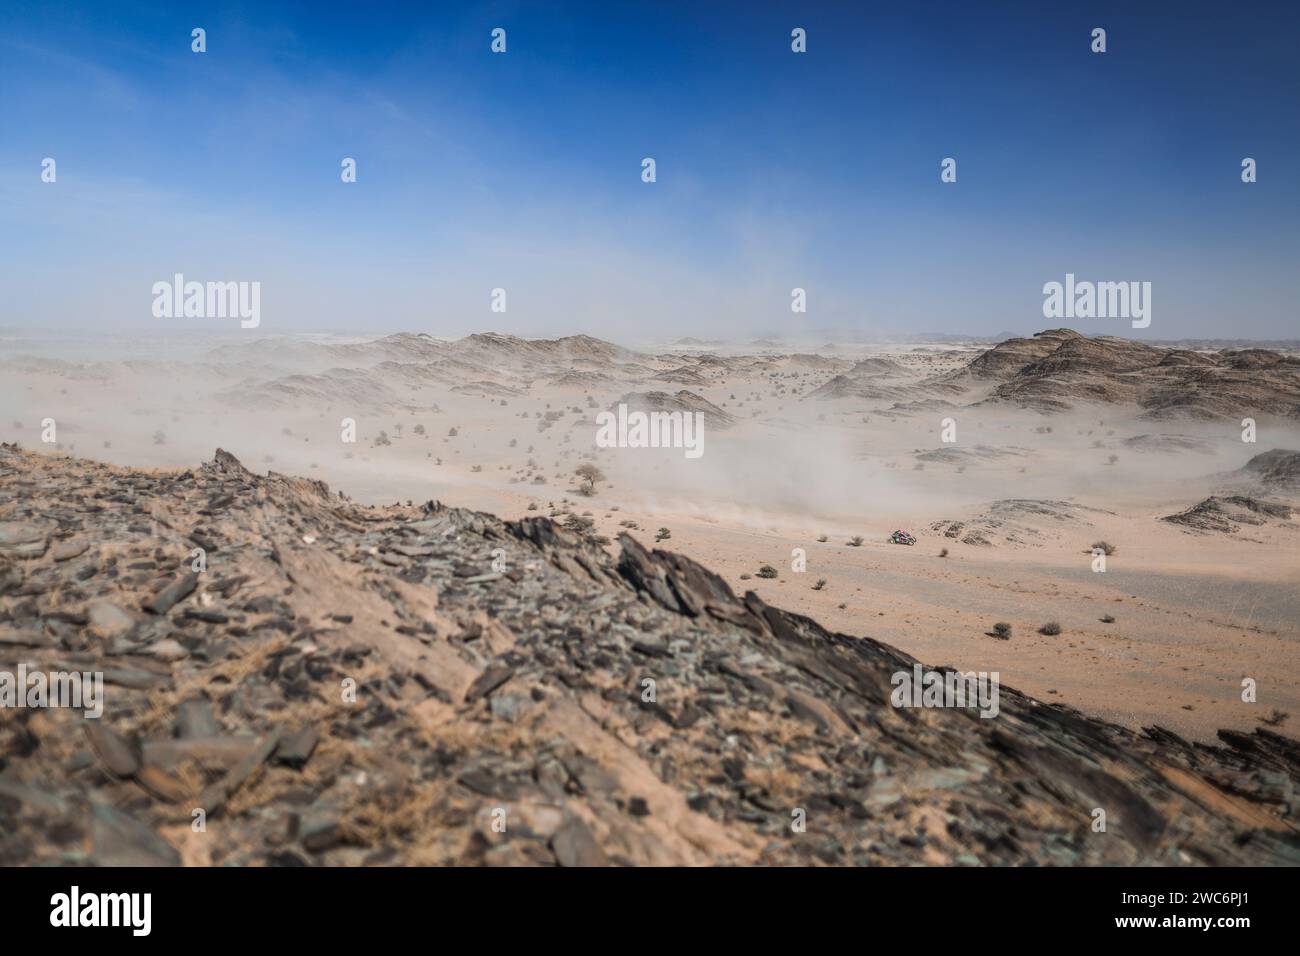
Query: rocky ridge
{"type": "Point", "coordinates": [1058, 369]}
{"type": "Point", "coordinates": [501, 712]}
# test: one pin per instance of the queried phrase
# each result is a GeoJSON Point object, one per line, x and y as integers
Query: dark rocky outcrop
{"type": "Point", "coordinates": [1059, 369]}
{"type": "Point", "coordinates": [1279, 468]}
{"type": "Point", "coordinates": [351, 685]}
{"type": "Point", "coordinates": [682, 401]}
{"type": "Point", "coordinates": [1226, 514]}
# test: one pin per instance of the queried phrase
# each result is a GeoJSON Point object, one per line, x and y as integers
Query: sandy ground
{"type": "Point", "coordinates": [1186, 631]}
{"type": "Point", "coordinates": [1194, 614]}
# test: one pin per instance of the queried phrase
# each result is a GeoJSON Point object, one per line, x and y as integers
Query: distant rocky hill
{"type": "Point", "coordinates": [683, 375]}
{"type": "Point", "coordinates": [401, 347]}
{"type": "Point", "coordinates": [572, 351]}
{"type": "Point", "coordinates": [1059, 369]}
{"type": "Point", "coordinates": [385, 372]}
{"type": "Point", "coordinates": [346, 685]}
{"type": "Point", "coordinates": [681, 401]}
{"type": "Point", "coordinates": [1279, 469]}
{"type": "Point", "coordinates": [386, 384]}
{"type": "Point", "coordinates": [1228, 514]}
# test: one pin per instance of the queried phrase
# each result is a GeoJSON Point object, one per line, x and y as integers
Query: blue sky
{"type": "Point", "coordinates": [775, 170]}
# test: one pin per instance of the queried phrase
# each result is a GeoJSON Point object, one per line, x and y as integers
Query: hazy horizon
{"type": "Point", "coordinates": [178, 330]}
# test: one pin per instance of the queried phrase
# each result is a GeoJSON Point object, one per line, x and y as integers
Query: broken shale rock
{"type": "Point", "coordinates": [359, 687]}
{"type": "Point", "coordinates": [172, 593]}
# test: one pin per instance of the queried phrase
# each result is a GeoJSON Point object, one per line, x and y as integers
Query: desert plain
{"type": "Point", "coordinates": [1011, 460]}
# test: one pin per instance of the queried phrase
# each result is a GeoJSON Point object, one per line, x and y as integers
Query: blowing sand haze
{"type": "Point", "coordinates": [697, 435]}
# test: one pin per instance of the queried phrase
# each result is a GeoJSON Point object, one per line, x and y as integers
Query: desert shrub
{"type": "Point", "coordinates": [1108, 619]}
{"type": "Point", "coordinates": [943, 553]}
{"type": "Point", "coordinates": [663, 534]}
{"type": "Point", "coordinates": [1106, 547]}
{"type": "Point", "coordinates": [767, 571]}
{"type": "Point", "coordinates": [589, 474]}
{"type": "Point", "coordinates": [1051, 629]}
{"type": "Point", "coordinates": [1003, 630]}
{"type": "Point", "coordinates": [855, 541]}
{"type": "Point", "coordinates": [821, 583]}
